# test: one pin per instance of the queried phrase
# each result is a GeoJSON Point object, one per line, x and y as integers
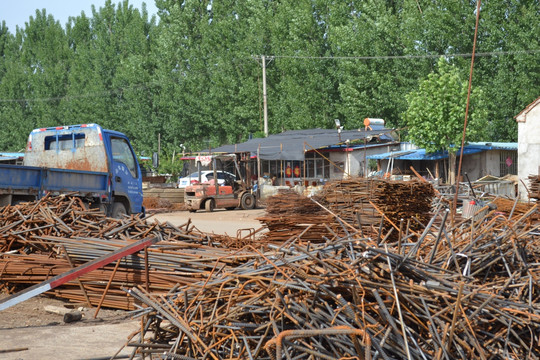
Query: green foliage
{"type": "Point", "coordinates": [195, 77]}
{"type": "Point", "coordinates": [436, 112]}
{"type": "Point", "coordinates": [170, 163]}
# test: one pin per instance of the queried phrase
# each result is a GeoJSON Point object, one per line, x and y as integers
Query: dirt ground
{"type": "Point", "coordinates": [29, 331]}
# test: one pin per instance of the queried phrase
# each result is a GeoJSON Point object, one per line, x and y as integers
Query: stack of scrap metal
{"type": "Point", "coordinates": [512, 208]}
{"type": "Point", "coordinates": [40, 240]}
{"type": "Point", "coordinates": [468, 291]}
{"type": "Point", "coordinates": [534, 187]}
{"type": "Point", "coordinates": [404, 202]}
{"type": "Point", "coordinates": [350, 198]}
{"type": "Point", "coordinates": [365, 202]}
{"type": "Point", "coordinates": [291, 216]}
{"type": "Point", "coordinates": [465, 290]}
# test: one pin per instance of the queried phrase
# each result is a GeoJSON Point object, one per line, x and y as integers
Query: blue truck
{"type": "Point", "coordinates": [87, 161]}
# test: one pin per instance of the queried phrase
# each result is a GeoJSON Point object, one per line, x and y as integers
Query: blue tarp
{"type": "Point", "coordinates": [420, 154]}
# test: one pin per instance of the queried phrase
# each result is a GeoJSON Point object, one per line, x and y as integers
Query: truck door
{"type": "Point", "coordinates": [126, 174]}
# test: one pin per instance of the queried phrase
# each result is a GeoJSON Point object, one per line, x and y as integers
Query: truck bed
{"type": "Point", "coordinates": [19, 179]}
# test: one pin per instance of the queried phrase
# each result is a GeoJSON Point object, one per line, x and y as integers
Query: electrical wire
{"type": "Point", "coordinates": [270, 57]}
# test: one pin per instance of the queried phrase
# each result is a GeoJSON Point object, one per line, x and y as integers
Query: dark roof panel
{"type": "Point", "coordinates": [291, 145]}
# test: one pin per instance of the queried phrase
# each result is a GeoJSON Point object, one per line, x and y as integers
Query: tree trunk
{"type": "Point", "coordinates": [452, 167]}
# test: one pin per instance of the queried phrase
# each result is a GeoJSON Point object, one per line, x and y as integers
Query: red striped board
{"type": "Point", "coordinates": [75, 273]}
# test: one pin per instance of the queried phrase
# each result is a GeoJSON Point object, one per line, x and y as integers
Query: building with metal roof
{"type": "Point", "coordinates": [479, 159]}
{"type": "Point", "coordinates": [11, 158]}
{"type": "Point", "coordinates": [312, 155]}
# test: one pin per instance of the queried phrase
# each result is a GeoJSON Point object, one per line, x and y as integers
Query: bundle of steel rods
{"type": "Point", "coordinates": [292, 216]}
{"type": "Point", "coordinates": [408, 201]}
{"type": "Point", "coordinates": [350, 198]}
{"type": "Point", "coordinates": [469, 292]}
{"type": "Point", "coordinates": [40, 240]}
{"type": "Point", "coordinates": [534, 187]}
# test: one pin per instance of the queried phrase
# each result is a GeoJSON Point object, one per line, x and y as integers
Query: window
{"type": "Point", "coordinates": [122, 153]}
{"type": "Point", "coordinates": [64, 142]}
{"type": "Point", "coordinates": [508, 163]}
{"type": "Point", "coordinates": [317, 166]}
{"type": "Point", "coordinates": [271, 167]}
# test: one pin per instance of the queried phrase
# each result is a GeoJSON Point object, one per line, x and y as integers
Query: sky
{"type": "Point", "coordinates": [17, 12]}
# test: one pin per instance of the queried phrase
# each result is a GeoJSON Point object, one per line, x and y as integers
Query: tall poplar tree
{"type": "Point", "coordinates": [436, 113]}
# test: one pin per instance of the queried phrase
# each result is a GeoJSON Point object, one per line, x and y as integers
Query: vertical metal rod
{"type": "Point", "coordinates": [107, 288]}
{"type": "Point", "coordinates": [438, 239]}
{"type": "Point", "coordinates": [146, 270]}
{"type": "Point", "coordinates": [454, 319]}
{"type": "Point", "coordinates": [400, 235]}
{"type": "Point", "coordinates": [78, 280]}
{"type": "Point", "coordinates": [397, 303]}
{"type": "Point", "coordinates": [454, 204]}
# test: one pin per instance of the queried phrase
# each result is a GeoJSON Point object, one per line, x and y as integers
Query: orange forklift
{"type": "Point", "coordinates": [232, 193]}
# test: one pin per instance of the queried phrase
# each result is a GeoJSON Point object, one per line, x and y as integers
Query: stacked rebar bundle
{"type": "Point", "coordinates": [291, 216]}
{"type": "Point", "coordinates": [405, 202]}
{"type": "Point", "coordinates": [534, 187]}
{"type": "Point", "coordinates": [350, 198]}
{"type": "Point", "coordinates": [40, 240]}
{"type": "Point", "coordinates": [470, 291]}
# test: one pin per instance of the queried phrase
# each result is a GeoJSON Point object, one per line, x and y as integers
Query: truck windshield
{"type": "Point", "coordinates": [122, 153]}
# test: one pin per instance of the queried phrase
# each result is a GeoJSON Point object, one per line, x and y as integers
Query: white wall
{"type": "Point", "coordinates": [528, 146]}
{"type": "Point", "coordinates": [481, 164]}
{"type": "Point", "coordinates": [353, 161]}
{"type": "Point", "coordinates": [338, 158]}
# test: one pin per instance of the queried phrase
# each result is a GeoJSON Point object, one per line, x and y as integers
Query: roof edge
{"type": "Point", "coordinates": [522, 115]}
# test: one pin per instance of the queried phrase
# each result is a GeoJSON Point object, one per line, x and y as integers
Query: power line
{"type": "Point", "coordinates": [270, 57]}
{"type": "Point", "coordinates": [391, 57]}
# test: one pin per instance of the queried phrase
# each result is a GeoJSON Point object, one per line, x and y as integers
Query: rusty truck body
{"type": "Point", "coordinates": [87, 161]}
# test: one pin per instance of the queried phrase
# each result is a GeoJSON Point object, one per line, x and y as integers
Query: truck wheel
{"type": "Point", "coordinates": [118, 210]}
{"type": "Point", "coordinates": [209, 205]}
{"type": "Point", "coordinates": [248, 201]}
{"type": "Point", "coordinates": [101, 207]}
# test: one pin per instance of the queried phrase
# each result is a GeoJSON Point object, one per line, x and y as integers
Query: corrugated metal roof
{"type": "Point", "coordinates": [7, 156]}
{"type": "Point", "coordinates": [496, 145]}
{"type": "Point", "coordinates": [420, 154]}
{"type": "Point", "coordinates": [291, 145]}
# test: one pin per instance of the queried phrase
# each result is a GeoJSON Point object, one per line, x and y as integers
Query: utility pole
{"type": "Point", "coordinates": [265, 100]}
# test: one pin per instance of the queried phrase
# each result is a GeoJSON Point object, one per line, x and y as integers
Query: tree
{"type": "Point", "coordinates": [436, 113]}
{"type": "Point", "coordinates": [46, 58]}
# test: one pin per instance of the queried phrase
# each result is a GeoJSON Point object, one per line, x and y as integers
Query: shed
{"type": "Point", "coordinates": [313, 155]}
{"type": "Point", "coordinates": [479, 159]}
{"type": "Point", "coordinates": [11, 158]}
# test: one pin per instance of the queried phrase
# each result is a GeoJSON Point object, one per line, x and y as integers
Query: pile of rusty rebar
{"type": "Point", "coordinates": [404, 201]}
{"type": "Point", "coordinates": [534, 187]}
{"type": "Point", "coordinates": [291, 216]}
{"type": "Point", "coordinates": [43, 239]}
{"type": "Point", "coordinates": [448, 289]}
{"type": "Point", "coordinates": [371, 205]}
{"type": "Point", "coordinates": [468, 291]}
{"type": "Point", "coordinates": [350, 198]}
